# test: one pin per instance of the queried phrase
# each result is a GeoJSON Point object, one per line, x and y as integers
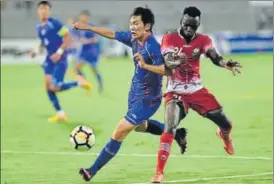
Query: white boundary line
{"type": "Point", "coordinates": [213, 178]}
{"type": "Point", "coordinates": [134, 155]}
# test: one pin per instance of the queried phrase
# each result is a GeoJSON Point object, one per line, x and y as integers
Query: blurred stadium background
{"type": "Point", "coordinates": [34, 151]}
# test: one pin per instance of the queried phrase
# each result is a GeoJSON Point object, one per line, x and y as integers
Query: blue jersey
{"type": "Point", "coordinates": [144, 83]}
{"type": "Point", "coordinates": [51, 36]}
{"type": "Point", "coordinates": [91, 48]}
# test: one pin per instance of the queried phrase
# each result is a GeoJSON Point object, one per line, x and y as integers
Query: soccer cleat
{"type": "Point", "coordinates": [58, 118]}
{"type": "Point", "coordinates": [228, 145]}
{"type": "Point", "coordinates": [181, 140]}
{"type": "Point", "coordinates": [86, 174]}
{"type": "Point", "coordinates": [84, 83]}
{"type": "Point", "coordinates": [158, 178]}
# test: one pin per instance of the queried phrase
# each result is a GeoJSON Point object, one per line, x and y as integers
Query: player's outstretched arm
{"type": "Point", "coordinates": [105, 32]}
{"type": "Point", "coordinates": [220, 61]}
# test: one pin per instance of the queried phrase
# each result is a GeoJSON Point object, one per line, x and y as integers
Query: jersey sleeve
{"type": "Point", "coordinates": [206, 44]}
{"type": "Point", "coordinates": [124, 37]}
{"type": "Point", "coordinates": [60, 28]}
{"type": "Point", "coordinates": [166, 44]}
{"type": "Point", "coordinates": [156, 56]}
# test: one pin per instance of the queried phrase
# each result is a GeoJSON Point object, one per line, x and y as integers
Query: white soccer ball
{"type": "Point", "coordinates": [82, 138]}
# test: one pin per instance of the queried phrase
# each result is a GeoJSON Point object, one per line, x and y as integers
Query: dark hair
{"type": "Point", "coordinates": [146, 15]}
{"type": "Point", "coordinates": [192, 11]}
{"type": "Point", "coordinates": [85, 12]}
{"type": "Point", "coordinates": [44, 3]}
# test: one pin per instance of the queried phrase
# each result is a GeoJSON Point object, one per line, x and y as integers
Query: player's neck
{"type": "Point", "coordinates": [187, 38]}
{"type": "Point", "coordinates": [44, 21]}
{"type": "Point", "coordinates": [142, 40]}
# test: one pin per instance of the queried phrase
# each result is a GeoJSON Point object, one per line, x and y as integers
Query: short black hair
{"type": "Point", "coordinates": [85, 12]}
{"type": "Point", "coordinates": [44, 3]}
{"type": "Point", "coordinates": [146, 15]}
{"type": "Point", "coordinates": [192, 11]}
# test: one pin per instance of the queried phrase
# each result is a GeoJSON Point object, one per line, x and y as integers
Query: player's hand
{"type": "Point", "coordinates": [139, 58]}
{"type": "Point", "coordinates": [233, 66]}
{"type": "Point", "coordinates": [80, 26]}
{"type": "Point", "coordinates": [173, 60]}
{"type": "Point", "coordinates": [32, 54]}
{"type": "Point", "coordinates": [55, 57]}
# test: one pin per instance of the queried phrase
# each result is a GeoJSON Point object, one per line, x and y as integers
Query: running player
{"type": "Point", "coordinates": [55, 39]}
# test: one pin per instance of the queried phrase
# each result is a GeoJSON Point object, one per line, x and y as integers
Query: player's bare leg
{"type": "Point", "coordinates": [120, 133]}
{"type": "Point", "coordinates": [224, 128]}
{"type": "Point", "coordinates": [60, 115]}
{"type": "Point", "coordinates": [99, 77]}
{"type": "Point", "coordinates": [80, 76]}
{"type": "Point", "coordinates": [173, 114]}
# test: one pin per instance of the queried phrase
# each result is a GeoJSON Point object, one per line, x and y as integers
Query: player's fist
{"type": "Point", "coordinates": [80, 26]}
{"type": "Point", "coordinates": [173, 59]}
{"type": "Point", "coordinates": [233, 66]}
{"type": "Point", "coordinates": [139, 58]}
{"type": "Point", "coordinates": [55, 57]}
{"type": "Point", "coordinates": [32, 54]}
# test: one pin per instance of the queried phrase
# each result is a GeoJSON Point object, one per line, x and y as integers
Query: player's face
{"type": "Point", "coordinates": [84, 18]}
{"type": "Point", "coordinates": [43, 12]}
{"type": "Point", "coordinates": [190, 25]}
{"type": "Point", "coordinates": [137, 27]}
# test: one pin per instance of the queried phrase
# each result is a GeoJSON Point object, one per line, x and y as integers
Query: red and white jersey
{"type": "Point", "coordinates": [186, 78]}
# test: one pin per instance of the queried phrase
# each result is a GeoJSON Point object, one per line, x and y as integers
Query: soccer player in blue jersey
{"type": "Point", "coordinates": [54, 38]}
{"type": "Point", "coordinates": [90, 50]}
{"type": "Point", "coordinates": [145, 93]}
{"type": "Point", "coordinates": [74, 46]}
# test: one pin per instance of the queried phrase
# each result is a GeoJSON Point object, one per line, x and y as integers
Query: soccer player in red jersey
{"type": "Point", "coordinates": [181, 50]}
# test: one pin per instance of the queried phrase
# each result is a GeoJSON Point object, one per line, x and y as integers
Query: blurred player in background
{"type": "Point", "coordinates": [90, 50]}
{"type": "Point", "coordinates": [146, 89]}
{"type": "Point", "coordinates": [182, 50]}
{"type": "Point", "coordinates": [74, 46]}
{"type": "Point", "coordinates": [55, 39]}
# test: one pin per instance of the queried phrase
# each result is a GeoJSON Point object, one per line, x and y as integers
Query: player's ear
{"type": "Point", "coordinates": [147, 27]}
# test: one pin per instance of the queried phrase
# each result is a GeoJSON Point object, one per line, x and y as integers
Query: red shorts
{"type": "Point", "coordinates": [200, 101]}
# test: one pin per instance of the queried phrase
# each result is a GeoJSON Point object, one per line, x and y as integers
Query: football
{"type": "Point", "coordinates": [82, 138]}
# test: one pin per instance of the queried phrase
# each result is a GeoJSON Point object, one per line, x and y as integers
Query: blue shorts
{"type": "Point", "coordinates": [56, 70]}
{"type": "Point", "coordinates": [141, 110]}
{"type": "Point", "coordinates": [89, 58]}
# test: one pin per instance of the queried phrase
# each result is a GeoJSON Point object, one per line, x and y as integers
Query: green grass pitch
{"type": "Point", "coordinates": [34, 151]}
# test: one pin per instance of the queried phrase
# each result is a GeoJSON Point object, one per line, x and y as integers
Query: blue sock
{"type": "Point", "coordinates": [155, 127]}
{"type": "Point", "coordinates": [54, 100]}
{"type": "Point", "coordinates": [106, 155]}
{"type": "Point", "coordinates": [99, 79]}
{"type": "Point", "coordinates": [68, 85]}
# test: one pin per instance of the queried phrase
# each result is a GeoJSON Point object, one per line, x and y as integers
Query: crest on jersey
{"type": "Point", "coordinates": [195, 52]}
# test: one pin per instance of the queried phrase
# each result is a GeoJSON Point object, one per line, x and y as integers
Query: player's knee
{"type": "Point", "coordinates": [54, 88]}
{"type": "Point", "coordinates": [219, 118]}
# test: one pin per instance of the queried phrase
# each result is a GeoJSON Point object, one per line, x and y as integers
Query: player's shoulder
{"type": "Point", "coordinates": [54, 21]}
{"type": "Point", "coordinates": [203, 36]}
{"type": "Point", "coordinates": [152, 43]}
